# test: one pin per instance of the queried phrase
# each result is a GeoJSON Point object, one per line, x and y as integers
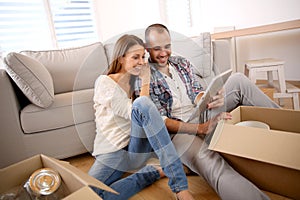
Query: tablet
{"type": "Point", "coordinates": [213, 88]}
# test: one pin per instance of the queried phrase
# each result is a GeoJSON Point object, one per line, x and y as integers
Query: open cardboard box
{"type": "Point", "coordinates": [268, 158]}
{"type": "Point", "coordinates": [76, 181]}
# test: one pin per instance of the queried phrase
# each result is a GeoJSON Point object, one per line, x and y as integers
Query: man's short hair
{"type": "Point", "coordinates": [157, 27]}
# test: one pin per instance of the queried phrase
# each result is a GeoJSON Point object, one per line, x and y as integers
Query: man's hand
{"type": "Point", "coordinates": [209, 126]}
{"type": "Point", "coordinates": [198, 97]}
{"type": "Point", "coordinates": [217, 100]}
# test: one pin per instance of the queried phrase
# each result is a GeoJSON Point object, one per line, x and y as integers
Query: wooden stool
{"type": "Point", "coordinates": [291, 92]}
{"type": "Point", "coordinates": [270, 65]}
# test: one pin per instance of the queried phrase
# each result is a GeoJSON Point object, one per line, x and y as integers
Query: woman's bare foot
{"type": "Point", "coordinates": [160, 171]}
{"type": "Point", "coordinates": [184, 195]}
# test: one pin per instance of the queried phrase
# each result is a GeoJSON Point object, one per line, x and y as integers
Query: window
{"type": "Point", "coordinates": [182, 16]}
{"type": "Point", "coordinates": [23, 24]}
{"type": "Point", "coordinates": [73, 22]}
{"type": "Point", "coordinates": [178, 13]}
{"type": "Point", "coordinates": [42, 24]}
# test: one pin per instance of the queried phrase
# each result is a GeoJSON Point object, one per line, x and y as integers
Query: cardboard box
{"type": "Point", "coordinates": [76, 181]}
{"type": "Point", "coordinates": [268, 158]}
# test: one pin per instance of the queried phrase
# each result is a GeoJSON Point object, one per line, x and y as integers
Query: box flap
{"type": "Point", "coordinates": [69, 173]}
{"type": "Point", "coordinates": [271, 146]}
{"type": "Point", "coordinates": [85, 193]}
{"type": "Point", "coordinates": [277, 119]}
{"type": "Point", "coordinates": [18, 173]}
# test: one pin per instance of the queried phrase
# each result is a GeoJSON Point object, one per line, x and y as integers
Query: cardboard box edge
{"type": "Point", "coordinates": [82, 176]}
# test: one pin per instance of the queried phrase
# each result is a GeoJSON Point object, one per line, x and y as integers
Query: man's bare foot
{"type": "Point", "coordinates": [184, 195]}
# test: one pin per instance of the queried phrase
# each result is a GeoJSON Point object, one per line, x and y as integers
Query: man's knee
{"type": "Point", "coordinates": [239, 77]}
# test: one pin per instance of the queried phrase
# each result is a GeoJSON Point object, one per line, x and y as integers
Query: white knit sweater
{"type": "Point", "coordinates": [113, 116]}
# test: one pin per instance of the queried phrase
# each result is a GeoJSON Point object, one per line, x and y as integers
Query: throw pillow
{"type": "Point", "coordinates": [197, 50]}
{"type": "Point", "coordinates": [31, 77]}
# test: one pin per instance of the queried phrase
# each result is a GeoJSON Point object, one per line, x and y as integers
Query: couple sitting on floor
{"type": "Point", "coordinates": [141, 111]}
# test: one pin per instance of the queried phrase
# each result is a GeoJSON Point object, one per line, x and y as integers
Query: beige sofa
{"type": "Point", "coordinates": [46, 96]}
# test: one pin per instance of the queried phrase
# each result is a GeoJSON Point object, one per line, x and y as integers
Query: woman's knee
{"type": "Point", "coordinates": [142, 101]}
{"type": "Point", "coordinates": [144, 104]}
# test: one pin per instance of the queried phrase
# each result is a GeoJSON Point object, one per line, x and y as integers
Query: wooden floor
{"type": "Point", "coordinates": [287, 103]}
{"type": "Point", "coordinates": [198, 186]}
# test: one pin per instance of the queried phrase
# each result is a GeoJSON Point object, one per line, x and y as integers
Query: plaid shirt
{"type": "Point", "coordinates": [160, 92]}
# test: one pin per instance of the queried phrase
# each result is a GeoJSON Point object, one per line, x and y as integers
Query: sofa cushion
{"type": "Point", "coordinates": [197, 50]}
{"type": "Point", "coordinates": [67, 109]}
{"type": "Point", "coordinates": [109, 48]}
{"type": "Point", "coordinates": [73, 68]}
{"type": "Point", "coordinates": [31, 77]}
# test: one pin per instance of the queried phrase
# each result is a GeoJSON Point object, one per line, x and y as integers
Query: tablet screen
{"type": "Point", "coordinates": [215, 85]}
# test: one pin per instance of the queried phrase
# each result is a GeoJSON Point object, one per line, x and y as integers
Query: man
{"type": "Point", "coordinates": [173, 89]}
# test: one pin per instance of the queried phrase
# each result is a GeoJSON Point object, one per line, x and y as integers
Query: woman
{"type": "Point", "coordinates": [129, 128]}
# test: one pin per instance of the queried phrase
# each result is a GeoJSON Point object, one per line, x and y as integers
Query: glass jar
{"type": "Point", "coordinates": [45, 184]}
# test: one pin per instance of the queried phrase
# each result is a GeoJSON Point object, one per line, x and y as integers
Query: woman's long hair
{"type": "Point", "coordinates": [121, 47]}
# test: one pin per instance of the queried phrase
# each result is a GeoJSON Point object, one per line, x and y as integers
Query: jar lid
{"type": "Point", "coordinates": [44, 181]}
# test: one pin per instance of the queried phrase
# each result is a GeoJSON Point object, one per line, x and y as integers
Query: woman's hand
{"type": "Point", "coordinates": [145, 77]}
{"type": "Point", "coordinates": [217, 100]}
{"type": "Point", "coordinates": [209, 126]}
{"type": "Point", "coordinates": [145, 74]}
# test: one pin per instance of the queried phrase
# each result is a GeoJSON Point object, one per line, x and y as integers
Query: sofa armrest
{"type": "Point", "coordinates": [221, 56]}
{"type": "Point", "coordinates": [9, 105]}
{"type": "Point", "coordinates": [11, 134]}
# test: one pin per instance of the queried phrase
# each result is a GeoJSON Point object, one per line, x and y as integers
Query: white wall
{"type": "Point", "coordinates": [118, 16]}
{"type": "Point", "coordinates": [249, 13]}
{"type": "Point", "coordinates": [283, 45]}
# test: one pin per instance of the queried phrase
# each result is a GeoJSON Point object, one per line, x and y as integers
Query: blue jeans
{"type": "Point", "coordinates": [148, 134]}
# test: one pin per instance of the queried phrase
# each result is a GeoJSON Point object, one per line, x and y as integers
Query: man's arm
{"type": "Point", "coordinates": [175, 126]}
